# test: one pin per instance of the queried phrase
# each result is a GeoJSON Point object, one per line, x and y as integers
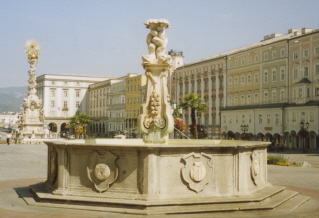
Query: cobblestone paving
{"type": "Point", "coordinates": [22, 165]}
{"type": "Point", "coordinates": [21, 161]}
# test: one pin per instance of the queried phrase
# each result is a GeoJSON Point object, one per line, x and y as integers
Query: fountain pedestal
{"type": "Point", "coordinates": [130, 176]}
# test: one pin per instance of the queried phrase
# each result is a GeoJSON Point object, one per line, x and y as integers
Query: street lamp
{"type": "Point", "coordinates": [244, 128]}
{"type": "Point", "coordinates": [303, 134]}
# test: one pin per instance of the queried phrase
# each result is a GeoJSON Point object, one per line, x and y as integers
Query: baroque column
{"type": "Point", "coordinates": [32, 120]}
{"type": "Point", "coordinates": [156, 121]}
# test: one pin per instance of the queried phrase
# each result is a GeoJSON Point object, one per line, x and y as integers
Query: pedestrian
{"type": "Point", "coordinates": [0, 138]}
{"type": "Point", "coordinates": [9, 138]}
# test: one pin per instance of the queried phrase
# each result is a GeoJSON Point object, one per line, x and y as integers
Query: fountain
{"type": "Point", "coordinates": [154, 175]}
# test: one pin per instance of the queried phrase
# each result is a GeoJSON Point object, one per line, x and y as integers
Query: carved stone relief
{"type": "Point", "coordinates": [255, 166]}
{"type": "Point", "coordinates": [53, 169]}
{"type": "Point", "coordinates": [102, 171]}
{"type": "Point", "coordinates": [197, 171]}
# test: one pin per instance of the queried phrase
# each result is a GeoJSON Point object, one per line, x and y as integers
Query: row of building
{"type": "Point", "coordinates": [271, 86]}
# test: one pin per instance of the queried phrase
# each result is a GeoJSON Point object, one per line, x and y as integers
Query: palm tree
{"type": "Point", "coordinates": [82, 120]}
{"type": "Point", "coordinates": [194, 103]}
{"type": "Point", "coordinates": [85, 120]}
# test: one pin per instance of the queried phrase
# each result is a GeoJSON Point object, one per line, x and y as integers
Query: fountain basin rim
{"type": "Point", "coordinates": [173, 143]}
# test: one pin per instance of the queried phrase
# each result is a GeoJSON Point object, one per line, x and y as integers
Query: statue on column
{"type": "Point", "coordinates": [156, 121]}
{"type": "Point", "coordinates": [31, 121]}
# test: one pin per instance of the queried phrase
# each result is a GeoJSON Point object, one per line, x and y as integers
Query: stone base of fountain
{"type": "Point", "coordinates": [128, 176]}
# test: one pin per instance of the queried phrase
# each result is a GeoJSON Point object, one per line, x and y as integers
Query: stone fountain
{"type": "Point", "coordinates": [155, 175]}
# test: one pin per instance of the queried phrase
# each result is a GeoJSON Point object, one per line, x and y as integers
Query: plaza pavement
{"type": "Point", "coordinates": [22, 165]}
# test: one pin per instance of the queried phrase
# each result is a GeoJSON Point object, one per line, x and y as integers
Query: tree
{"type": "Point", "coordinates": [82, 120]}
{"type": "Point", "coordinates": [195, 104]}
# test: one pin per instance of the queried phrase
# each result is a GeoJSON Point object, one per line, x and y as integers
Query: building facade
{"type": "Point", "coordinates": [271, 86]}
{"type": "Point", "coordinates": [63, 96]}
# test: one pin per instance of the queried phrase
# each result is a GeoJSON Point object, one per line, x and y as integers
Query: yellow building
{"type": "Point", "coordinates": [134, 98]}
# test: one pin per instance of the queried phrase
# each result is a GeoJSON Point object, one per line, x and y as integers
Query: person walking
{"type": "Point", "coordinates": [9, 138]}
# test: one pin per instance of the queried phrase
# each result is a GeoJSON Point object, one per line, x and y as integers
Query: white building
{"type": "Point", "coordinates": [63, 96]}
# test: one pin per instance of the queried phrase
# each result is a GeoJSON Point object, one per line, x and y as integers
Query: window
{"type": "Point", "coordinates": [256, 78]}
{"type": "Point", "coordinates": [248, 99]}
{"type": "Point", "coordinates": [268, 118]}
{"type": "Point", "coordinates": [242, 100]}
{"type": "Point", "coordinates": [308, 92]}
{"type": "Point", "coordinates": [282, 95]}
{"type": "Point", "coordinates": [65, 104]}
{"type": "Point", "coordinates": [317, 69]}
{"type": "Point", "coordinates": [236, 63]}
{"type": "Point", "coordinates": [266, 97]}
{"type": "Point", "coordinates": [230, 119]}
{"type": "Point", "coordinates": [295, 55]}
{"type": "Point", "coordinates": [293, 117]}
{"type": "Point", "coordinates": [317, 51]}
{"type": "Point", "coordinates": [53, 82]}
{"type": "Point", "coordinates": [249, 118]}
{"type": "Point", "coordinates": [282, 52]}
{"type": "Point", "coordinates": [256, 98]}
{"type": "Point", "coordinates": [274, 96]}
{"type": "Point", "coordinates": [249, 60]}
{"type": "Point", "coordinates": [306, 71]}
{"type": "Point", "coordinates": [242, 61]}
{"type": "Point", "coordinates": [266, 77]}
{"type": "Point", "coordinates": [248, 79]}
{"type": "Point", "coordinates": [77, 93]}
{"type": "Point", "coordinates": [77, 104]}
{"type": "Point", "coordinates": [282, 74]}
{"type": "Point", "coordinates": [260, 118]}
{"type": "Point", "coordinates": [52, 92]}
{"type": "Point", "coordinates": [235, 100]}
{"type": "Point", "coordinates": [242, 80]}
{"type": "Point", "coordinates": [256, 58]}
{"type": "Point", "coordinates": [230, 82]}
{"type": "Point", "coordinates": [299, 93]}
{"type": "Point", "coordinates": [65, 93]}
{"type": "Point", "coordinates": [236, 81]}
{"type": "Point", "coordinates": [52, 103]}
{"type": "Point", "coordinates": [274, 54]}
{"type": "Point", "coordinates": [230, 64]}
{"type": "Point", "coordinates": [274, 76]}
{"type": "Point", "coordinates": [242, 118]}
{"type": "Point", "coordinates": [295, 73]}
{"type": "Point", "coordinates": [277, 119]}
{"type": "Point", "coordinates": [266, 56]}
{"type": "Point", "coordinates": [317, 92]}
{"type": "Point", "coordinates": [311, 116]}
{"type": "Point", "coordinates": [306, 53]}
{"type": "Point", "coordinates": [303, 116]}
{"type": "Point", "coordinates": [229, 101]}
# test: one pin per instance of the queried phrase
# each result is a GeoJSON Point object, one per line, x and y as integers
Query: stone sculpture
{"type": "Point", "coordinates": [31, 121]}
{"type": "Point", "coordinates": [156, 120]}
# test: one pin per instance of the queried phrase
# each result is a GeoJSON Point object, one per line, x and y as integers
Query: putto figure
{"type": "Point", "coordinates": [156, 42]}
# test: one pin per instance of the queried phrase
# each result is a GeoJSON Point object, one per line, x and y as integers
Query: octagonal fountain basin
{"type": "Point", "coordinates": [134, 177]}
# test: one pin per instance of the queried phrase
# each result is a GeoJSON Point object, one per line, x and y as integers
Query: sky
{"type": "Point", "coordinates": [107, 37]}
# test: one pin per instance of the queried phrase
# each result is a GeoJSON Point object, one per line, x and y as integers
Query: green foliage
{"type": "Point", "coordinates": [196, 105]}
{"type": "Point", "coordinates": [80, 122]}
{"type": "Point", "coordinates": [275, 159]}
